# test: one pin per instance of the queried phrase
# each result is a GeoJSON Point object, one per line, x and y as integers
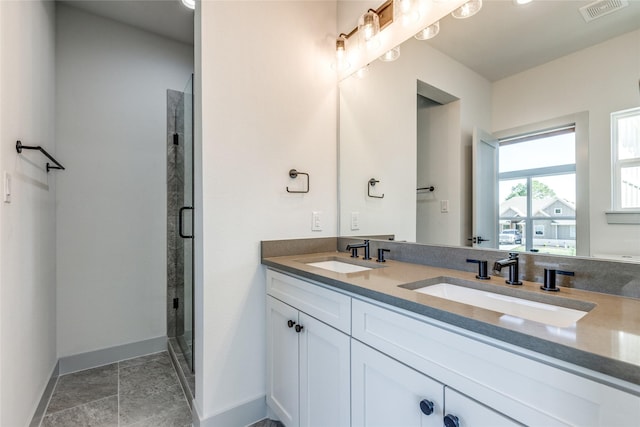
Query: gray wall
{"type": "Point", "coordinates": [111, 82]}
{"type": "Point", "coordinates": [27, 224]}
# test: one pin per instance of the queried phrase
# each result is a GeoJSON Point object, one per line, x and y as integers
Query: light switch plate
{"type": "Point", "coordinates": [316, 221]}
{"type": "Point", "coordinates": [355, 220]}
{"type": "Point", "coordinates": [444, 206]}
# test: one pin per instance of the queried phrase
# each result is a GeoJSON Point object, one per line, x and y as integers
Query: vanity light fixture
{"type": "Point", "coordinates": [341, 53]}
{"type": "Point", "coordinates": [369, 28]}
{"type": "Point", "coordinates": [429, 32]}
{"type": "Point", "coordinates": [407, 11]}
{"type": "Point", "coordinates": [191, 4]}
{"type": "Point", "coordinates": [390, 55]}
{"type": "Point", "coordinates": [468, 9]}
{"type": "Point", "coordinates": [521, 2]}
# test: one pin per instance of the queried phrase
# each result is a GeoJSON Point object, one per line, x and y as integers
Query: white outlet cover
{"type": "Point", "coordinates": [7, 187]}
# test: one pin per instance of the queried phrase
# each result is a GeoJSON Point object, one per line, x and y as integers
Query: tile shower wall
{"type": "Point", "coordinates": [175, 200]}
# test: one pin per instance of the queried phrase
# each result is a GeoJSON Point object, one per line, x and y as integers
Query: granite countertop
{"type": "Point", "coordinates": [606, 340]}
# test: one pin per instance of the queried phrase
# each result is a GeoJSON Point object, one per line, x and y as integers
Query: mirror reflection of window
{"type": "Point", "coordinates": [537, 192]}
{"type": "Point", "coordinates": [626, 159]}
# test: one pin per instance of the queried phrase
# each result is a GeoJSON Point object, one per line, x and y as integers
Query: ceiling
{"type": "Point", "coordinates": [504, 39]}
{"type": "Point", "coordinates": [501, 40]}
{"type": "Point", "coordinates": [168, 18]}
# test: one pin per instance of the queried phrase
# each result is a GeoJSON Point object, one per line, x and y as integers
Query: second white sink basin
{"type": "Point", "coordinates": [338, 266]}
{"type": "Point", "coordinates": [547, 314]}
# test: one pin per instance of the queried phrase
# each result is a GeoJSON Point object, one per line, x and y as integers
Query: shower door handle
{"type": "Point", "coordinates": [182, 209]}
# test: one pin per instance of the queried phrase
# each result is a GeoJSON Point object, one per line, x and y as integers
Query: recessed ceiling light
{"type": "Point", "coordinates": [191, 4]}
{"type": "Point", "coordinates": [521, 2]}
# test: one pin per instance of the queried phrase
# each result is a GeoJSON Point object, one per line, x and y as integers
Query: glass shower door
{"type": "Point", "coordinates": [185, 230]}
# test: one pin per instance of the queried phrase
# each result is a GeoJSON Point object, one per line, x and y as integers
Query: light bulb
{"type": "Point", "coordinates": [368, 29]}
{"type": "Point", "coordinates": [191, 4]}
{"type": "Point", "coordinates": [468, 9]}
{"type": "Point", "coordinates": [341, 54]}
{"type": "Point", "coordinates": [362, 72]}
{"type": "Point", "coordinates": [407, 11]}
{"type": "Point", "coordinates": [391, 55]}
{"type": "Point", "coordinates": [429, 32]}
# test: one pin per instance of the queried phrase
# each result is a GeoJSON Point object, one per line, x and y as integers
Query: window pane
{"type": "Point", "coordinates": [543, 152]}
{"type": "Point", "coordinates": [630, 187]}
{"type": "Point", "coordinates": [554, 236]}
{"type": "Point", "coordinates": [554, 196]}
{"type": "Point", "coordinates": [513, 198]}
{"type": "Point", "coordinates": [628, 137]}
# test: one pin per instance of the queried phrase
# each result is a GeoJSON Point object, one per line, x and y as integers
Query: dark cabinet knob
{"type": "Point", "coordinates": [426, 406]}
{"type": "Point", "coordinates": [451, 421]}
{"type": "Point", "coordinates": [299, 328]}
{"type": "Point", "coordinates": [290, 323]}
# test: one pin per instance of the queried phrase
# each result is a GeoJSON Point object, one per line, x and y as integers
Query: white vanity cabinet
{"type": "Point", "coordinates": [496, 382]}
{"type": "Point", "coordinates": [354, 361]}
{"type": "Point", "coordinates": [386, 393]}
{"type": "Point", "coordinates": [308, 360]}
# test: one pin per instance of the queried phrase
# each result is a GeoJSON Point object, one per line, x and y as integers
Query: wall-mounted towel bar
{"type": "Point", "coordinates": [372, 183]}
{"type": "Point", "coordinates": [429, 188]}
{"type": "Point", "coordinates": [20, 147]}
{"type": "Point", "coordinates": [294, 174]}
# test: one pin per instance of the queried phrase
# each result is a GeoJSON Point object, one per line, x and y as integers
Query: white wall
{"type": "Point", "coordinates": [601, 79]}
{"type": "Point", "coordinates": [111, 82]}
{"type": "Point", "coordinates": [27, 224]}
{"type": "Point", "coordinates": [378, 133]}
{"type": "Point", "coordinates": [268, 105]}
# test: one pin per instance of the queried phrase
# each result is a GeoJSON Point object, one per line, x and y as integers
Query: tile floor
{"type": "Point", "coordinates": [138, 392]}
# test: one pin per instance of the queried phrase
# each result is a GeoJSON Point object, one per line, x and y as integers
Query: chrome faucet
{"type": "Point", "coordinates": [354, 249]}
{"type": "Point", "coordinates": [512, 263]}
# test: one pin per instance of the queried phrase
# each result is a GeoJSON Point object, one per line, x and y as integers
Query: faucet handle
{"type": "Point", "coordinates": [482, 269]}
{"type": "Point", "coordinates": [550, 279]}
{"type": "Point", "coordinates": [513, 255]}
{"type": "Point", "coordinates": [381, 252]}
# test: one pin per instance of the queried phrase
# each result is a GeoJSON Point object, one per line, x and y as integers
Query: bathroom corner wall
{"type": "Point", "coordinates": [269, 101]}
{"type": "Point", "coordinates": [27, 224]}
{"type": "Point", "coordinates": [111, 104]}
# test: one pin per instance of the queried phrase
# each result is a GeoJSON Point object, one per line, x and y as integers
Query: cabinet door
{"type": "Point", "coordinates": [470, 413]}
{"type": "Point", "coordinates": [386, 393]}
{"type": "Point", "coordinates": [324, 375]}
{"type": "Point", "coordinates": [282, 361]}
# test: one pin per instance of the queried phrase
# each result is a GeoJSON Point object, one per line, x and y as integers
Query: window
{"type": "Point", "coordinates": [625, 148]}
{"type": "Point", "coordinates": [537, 191]}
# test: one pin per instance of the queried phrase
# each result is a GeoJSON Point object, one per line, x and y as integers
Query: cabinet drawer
{"type": "Point", "coordinates": [328, 306]}
{"type": "Point", "coordinates": [470, 413]}
{"type": "Point", "coordinates": [522, 388]}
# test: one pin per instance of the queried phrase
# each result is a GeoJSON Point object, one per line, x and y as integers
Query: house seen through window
{"type": "Point", "coordinates": [537, 192]}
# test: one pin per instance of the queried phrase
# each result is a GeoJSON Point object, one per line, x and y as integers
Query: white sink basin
{"type": "Point", "coordinates": [338, 266]}
{"type": "Point", "coordinates": [547, 314]}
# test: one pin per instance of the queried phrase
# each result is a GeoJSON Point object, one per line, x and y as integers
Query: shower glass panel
{"type": "Point", "coordinates": [180, 222]}
{"type": "Point", "coordinates": [185, 226]}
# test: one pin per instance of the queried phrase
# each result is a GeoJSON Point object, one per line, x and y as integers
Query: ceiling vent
{"type": "Point", "coordinates": [601, 8]}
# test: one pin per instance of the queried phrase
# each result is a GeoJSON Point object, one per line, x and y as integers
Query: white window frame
{"type": "Point", "coordinates": [537, 227]}
{"type": "Point", "coordinates": [581, 122]}
{"type": "Point", "coordinates": [616, 164]}
{"type": "Point", "coordinates": [557, 211]}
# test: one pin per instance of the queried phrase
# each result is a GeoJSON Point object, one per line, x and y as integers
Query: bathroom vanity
{"type": "Point", "coordinates": [360, 343]}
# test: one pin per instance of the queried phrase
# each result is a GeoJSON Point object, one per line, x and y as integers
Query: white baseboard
{"type": "Point", "coordinates": [243, 415]}
{"type": "Point", "coordinates": [105, 356]}
{"type": "Point", "coordinates": [36, 420]}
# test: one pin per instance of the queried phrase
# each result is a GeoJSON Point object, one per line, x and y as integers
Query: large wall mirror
{"type": "Point", "coordinates": [407, 155]}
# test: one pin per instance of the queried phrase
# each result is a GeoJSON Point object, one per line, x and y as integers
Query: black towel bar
{"type": "Point", "coordinates": [20, 147]}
